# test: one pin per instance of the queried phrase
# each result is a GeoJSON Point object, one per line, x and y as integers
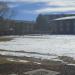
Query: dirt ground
{"type": "Point", "coordinates": [9, 67]}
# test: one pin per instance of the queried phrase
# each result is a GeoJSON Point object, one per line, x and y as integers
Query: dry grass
{"type": "Point", "coordinates": [5, 39]}
{"type": "Point", "coordinates": [7, 66]}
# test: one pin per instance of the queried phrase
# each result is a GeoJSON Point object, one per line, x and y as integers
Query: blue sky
{"type": "Point", "coordinates": [29, 9]}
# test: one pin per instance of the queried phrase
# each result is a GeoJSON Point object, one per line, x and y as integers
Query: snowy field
{"type": "Point", "coordinates": [40, 46]}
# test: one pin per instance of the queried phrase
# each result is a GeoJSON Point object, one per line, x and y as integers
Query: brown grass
{"type": "Point", "coordinates": [5, 39]}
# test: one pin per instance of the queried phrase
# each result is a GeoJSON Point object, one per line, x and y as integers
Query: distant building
{"type": "Point", "coordinates": [57, 24]}
{"type": "Point", "coordinates": [64, 25]}
{"type": "Point", "coordinates": [69, 69]}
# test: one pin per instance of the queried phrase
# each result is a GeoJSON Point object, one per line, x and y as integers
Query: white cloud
{"type": "Point", "coordinates": [62, 3]}
{"type": "Point", "coordinates": [68, 3]}
{"type": "Point", "coordinates": [26, 0]}
{"type": "Point", "coordinates": [46, 10]}
{"type": "Point", "coordinates": [8, 0]}
{"type": "Point", "coordinates": [49, 2]}
{"type": "Point", "coordinates": [38, 0]}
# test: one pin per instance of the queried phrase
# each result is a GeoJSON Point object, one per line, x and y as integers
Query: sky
{"type": "Point", "coordinates": [30, 9]}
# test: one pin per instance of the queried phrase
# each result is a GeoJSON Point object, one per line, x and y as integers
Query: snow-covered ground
{"type": "Point", "coordinates": [40, 46]}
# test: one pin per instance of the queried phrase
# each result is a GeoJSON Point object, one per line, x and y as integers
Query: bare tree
{"type": "Point", "coordinates": [3, 8]}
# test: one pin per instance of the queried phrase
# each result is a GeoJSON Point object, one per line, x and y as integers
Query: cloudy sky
{"type": "Point", "coordinates": [29, 9]}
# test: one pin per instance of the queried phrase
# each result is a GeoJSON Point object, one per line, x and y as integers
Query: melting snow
{"type": "Point", "coordinates": [50, 45]}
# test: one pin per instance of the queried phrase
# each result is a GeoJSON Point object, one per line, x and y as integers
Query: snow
{"type": "Point", "coordinates": [65, 18]}
{"type": "Point", "coordinates": [17, 60]}
{"type": "Point", "coordinates": [71, 64]}
{"type": "Point", "coordinates": [44, 46]}
{"type": "Point", "coordinates": [37, 63]}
